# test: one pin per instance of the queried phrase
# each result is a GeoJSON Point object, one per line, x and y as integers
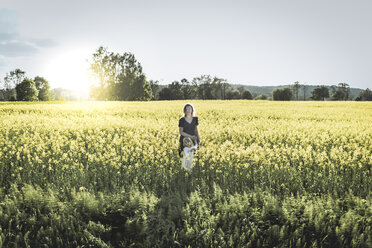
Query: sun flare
{"type": "Point", "coordinates": [70, 70]}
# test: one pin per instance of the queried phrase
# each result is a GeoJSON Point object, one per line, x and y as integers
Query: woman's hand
{"type": "Point", "coordinates": [194, 138]}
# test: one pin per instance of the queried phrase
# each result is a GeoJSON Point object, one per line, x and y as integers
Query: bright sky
{"type": "Point", "coordinates": [261, 42]}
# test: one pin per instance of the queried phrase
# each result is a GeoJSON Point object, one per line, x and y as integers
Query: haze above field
{"type": "Point", "coordinates": [246, 42]}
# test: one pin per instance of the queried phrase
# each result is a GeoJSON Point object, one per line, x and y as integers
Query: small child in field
{"type": "Point", "coordinates": [188, 153]}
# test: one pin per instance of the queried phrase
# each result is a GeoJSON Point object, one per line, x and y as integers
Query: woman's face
{"type": "Point", "coordinates": [188, 110]}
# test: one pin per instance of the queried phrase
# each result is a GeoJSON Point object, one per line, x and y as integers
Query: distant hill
{"type": "Point", "coordinates": [258, 90]}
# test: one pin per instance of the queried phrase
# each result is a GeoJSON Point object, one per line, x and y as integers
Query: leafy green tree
{"type": "Point", "coordinates": [233, 95]}
{"type": "Point", "coordinates": [173, 91]}
{"type": "Point", "coordinates": [304, 89]}
{"type": "Point", "coordinates": [262, 97]}
{"type": "Point", "coordinates": [42, 85]}
{"type": "Point", "coordinates": [210, 88]}
{"type": "Point", "coordinates": [103, 68]}
{"type": "Point", "coordinates": [219, 88]}
{"type": "Point", "coordinates": [140, 90]}
{"type": "Point", "coordinates": [365, 95]}
{"type": "Point", "coordinates": [176, 89]}
{"type": "Point", "coordinates": [296, 87]}
{"type": "Point", "coordinates": [225, 87]}
{"type": "Point", "coordinates": [12, 79]}
{"type": "Point", "coordinates": [155, 88]}
{"type": "Point", "coordinates": [188, 89]}
{"type": "Point", "coordinates": [247, 95]}
{"type": "Point", "coordinates": [27, 91]}
{"type": "Point", "coordinates": [119, 77]}
{"type": "Point", "coordinates": [241, 89]}
{"type": "Point", "coordinates": [165, 94]}
{"type": "Point", "coordinates": [132, 81]}
{"type": "Point", "coordinates": [283, 94]}
{"type": "Point", "coordinates": [346, 89]}
{"type": "Point", "coordinates": [15, 77]}
{"type": "Point", "coordinates": [340, 92]}
{"type": "Point", "coordinates": [205, 86]}
{"type": "Point", "coordinates": [319, 93]}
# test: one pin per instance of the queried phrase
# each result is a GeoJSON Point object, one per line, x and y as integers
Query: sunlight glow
{"type": "Point", "coordinates": [69, 70]}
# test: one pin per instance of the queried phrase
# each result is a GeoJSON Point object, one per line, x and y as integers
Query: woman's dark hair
{"type": "Point", "coordinates": [192, 107]}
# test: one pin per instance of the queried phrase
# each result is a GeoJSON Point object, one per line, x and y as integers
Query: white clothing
{"type": "Point", "coordinates": [188, 155]}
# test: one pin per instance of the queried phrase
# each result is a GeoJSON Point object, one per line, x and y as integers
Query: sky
{"type": "Point", "coordinates": [261, 42]}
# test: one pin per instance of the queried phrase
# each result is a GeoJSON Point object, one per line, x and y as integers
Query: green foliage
{"type": "Point", "coordinates": [120, 77]}
{"type": "Point", "coordinates": [340, 92]}
{"type": "Point", "coordinates": [188, 89]}
{"type": "Point", "coordinates": [8, 94]}
{"type": "Point", "coordinates": [27, 91]}
{"type": "Point", "coordinates": [32, 217]}
{"type": "Point", "coordinates": [35, 218]}
{"type": "Point", "coordinates": [11, 80]}
{"type": "Point", "coordinates": [320, 93]}
{"type": "Point", "coordinates": [233, 95]}
{"type": "Point", "coordinates": [42, 85]}
{"type": "Point", "coordinates": [17, 87]}
{"type": "Point", "coordinates": [247, 95]}
{"type": "Point", "coordinates": [282, 94]}
{"type": "Point", "coordinates": [166, 94]}
{"type": "Point", "coordinates": [262, 97]}
{"type": "Point", "coordinates": [296, 87]}
{"type": "Point", "coordinates": [13, 97]}
{"type": "Point", "coordinates": [178, 90]}
{"type": "Point", "coordinates": [365, 95]}
{"type": "Point", "coordinates": [203, 87]}
{"type": "Point", "coordinates": [155, 88]}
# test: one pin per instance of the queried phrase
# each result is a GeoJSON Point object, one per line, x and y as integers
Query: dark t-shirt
{"type": "Point", "coordinates": [188, 128]}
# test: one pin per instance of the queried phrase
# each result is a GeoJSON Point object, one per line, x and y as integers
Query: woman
{"type": "Point", "coordinates": [188, 126]}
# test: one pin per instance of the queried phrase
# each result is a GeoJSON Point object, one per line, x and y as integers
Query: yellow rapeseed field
{"type": "Point", "coordinates": [108, 174]}
{"type": "Point", "coordinates": [283, 147]}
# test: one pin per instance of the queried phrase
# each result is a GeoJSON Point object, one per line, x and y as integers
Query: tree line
{"type": "Point", "coordinates": [204, 87]}
{"type": "Point", "coordinates": [17, 87]}
{"type": "Point", "coordinates": [121, 77]}
{"type": "Point", "coordinates": [341, 92]}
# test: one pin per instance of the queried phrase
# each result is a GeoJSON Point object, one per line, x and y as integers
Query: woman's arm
{"type": "Point", "coordinates": [184, 134]}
